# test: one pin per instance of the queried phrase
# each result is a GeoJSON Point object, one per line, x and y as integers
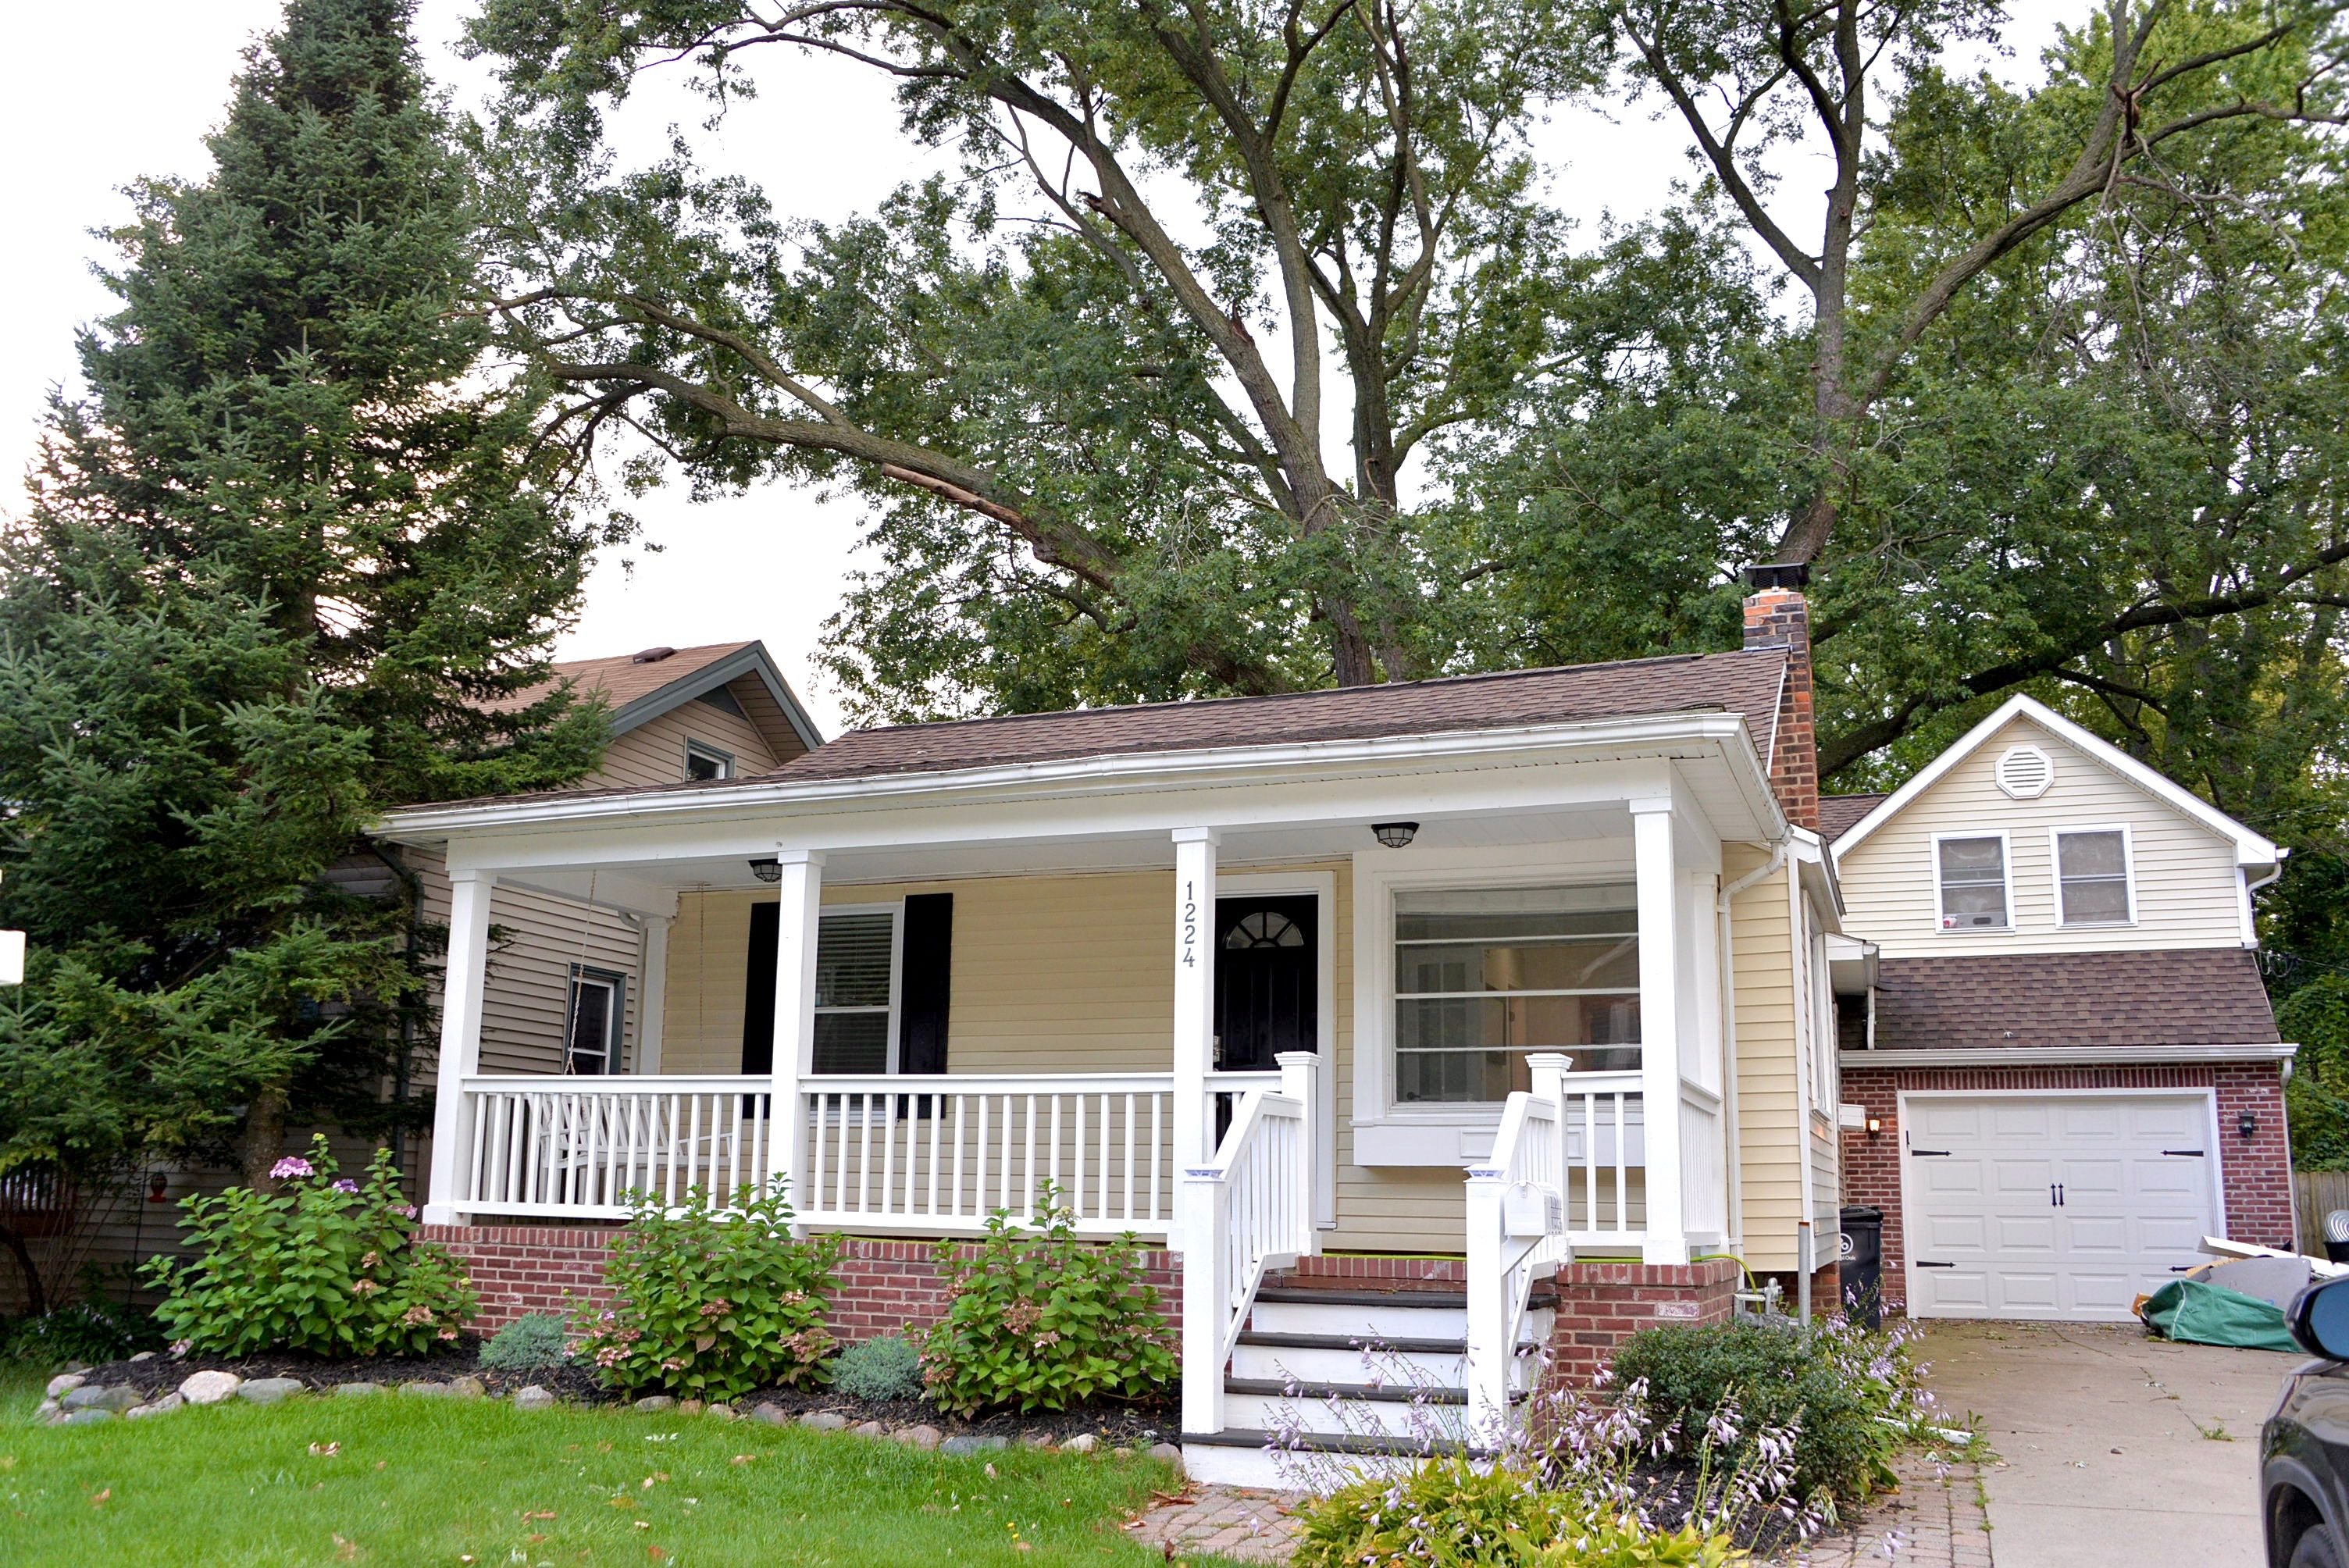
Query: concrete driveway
{"type": "Point", "coordinates": [2114, 1447]}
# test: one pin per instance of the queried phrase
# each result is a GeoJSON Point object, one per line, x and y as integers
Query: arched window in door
{"type": "Point", "coordinates": [1263, 928]}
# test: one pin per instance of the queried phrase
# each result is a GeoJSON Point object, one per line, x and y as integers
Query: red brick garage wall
{"type": "Point", "coordinates": [2255, 1173]}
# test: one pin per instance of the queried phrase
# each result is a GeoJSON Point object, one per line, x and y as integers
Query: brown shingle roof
{"type": "Point", "coordinates": [1745, 683]}
{"type": "Point", "coordinates": [1839, 814]}
{"type": "Point", "coordinates": [623, 678]}
{"type": "Point", "coordinates": [2193, 996]}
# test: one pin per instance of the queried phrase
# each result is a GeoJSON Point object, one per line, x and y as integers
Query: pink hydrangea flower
{"type": "Point", "coordinates": [291, 1166]}
{"type": "Point", "coordinates": [344, 1184]}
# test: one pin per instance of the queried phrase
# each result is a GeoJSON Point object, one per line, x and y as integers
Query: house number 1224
{"type": "Point", "coordinates": [1190, 925]}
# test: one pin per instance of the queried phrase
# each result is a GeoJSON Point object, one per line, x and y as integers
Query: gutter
{"type": "Point", "coordinates": [2064, 1056]}
{"type": "Point", "coordinates": [1096, 774]}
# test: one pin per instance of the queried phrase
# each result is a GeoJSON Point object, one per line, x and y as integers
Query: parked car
{"type": "Point", "coordinates": [2304, 1447]}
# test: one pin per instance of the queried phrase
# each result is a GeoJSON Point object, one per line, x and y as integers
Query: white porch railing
{"type": "Point", "coordinates": [1602, 1123]}
{"type": "Point", "coordinates": [580, 1147]}
{"type": "Point", "coordinates": [1518, 1227]}
{"type": "Point", "coordinates": [1247, 1212]}
{"type": "Point", "coordinates": [936, 1155]}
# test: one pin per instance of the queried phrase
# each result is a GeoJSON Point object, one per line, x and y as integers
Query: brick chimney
{"type": "Point", "coordinates": [1778, 616]}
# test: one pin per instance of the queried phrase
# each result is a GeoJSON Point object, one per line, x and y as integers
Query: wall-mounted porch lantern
{"type": "Point", "coordinates": [1395, 835]}
{"type": "Point", "coordinates": [2248, 1125]}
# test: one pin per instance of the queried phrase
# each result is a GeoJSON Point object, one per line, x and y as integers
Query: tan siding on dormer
{"type": "Point", "coordinates": [654, 752]}
{"type": "Point", "coordinates": [2187, 884]}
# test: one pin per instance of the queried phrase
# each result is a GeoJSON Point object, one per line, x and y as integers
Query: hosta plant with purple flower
{"type": "Point", "coordinates": [323, 1264]}
{"type": "Point", "coordinates": [710, 1303]}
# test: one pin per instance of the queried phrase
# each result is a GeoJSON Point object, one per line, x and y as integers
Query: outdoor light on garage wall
{"type": "Point", "coordinates": [1395, 835]}
{"type": "Point", "coordinates": [2248, 1125]}
{"type": "Point", "coordinates": [767, 870]}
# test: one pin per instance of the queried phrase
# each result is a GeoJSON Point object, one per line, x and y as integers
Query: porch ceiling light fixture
{"type": "Point", "coordinates": [1395, 835]}
{"type": "Point", "coordinates": [769, 871]}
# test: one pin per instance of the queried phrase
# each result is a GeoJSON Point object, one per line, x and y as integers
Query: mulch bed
{"type": "Point", "coordinates": [1116, 1424]}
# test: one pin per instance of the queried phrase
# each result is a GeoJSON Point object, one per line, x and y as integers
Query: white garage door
{"type": "Point", "coordinates": [2055, 1205]}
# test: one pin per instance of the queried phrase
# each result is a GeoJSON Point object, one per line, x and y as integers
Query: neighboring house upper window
{"type": "Point", "coordinates": [596, 1013]}
{"type": "Point", "coordinates": [1972, 876]}
{"type": "Point", "coordinates": [703, 761]}
{"type": "Point", "coordinates": [856, 964]}
{"type": "Point", "coordinates": [1484, 975]}
{"type": "Point", "coordinates": [2092, 876]}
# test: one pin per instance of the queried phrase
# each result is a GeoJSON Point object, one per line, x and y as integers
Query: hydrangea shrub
{"type": "Point", "coordinates": [710, 1303]}
{"type": "Point", "coordinates": [1042, 1320]}
{"type": "Point", "coordinates": [323, 1264]}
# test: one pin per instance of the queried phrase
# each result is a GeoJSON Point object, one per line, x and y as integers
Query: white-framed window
{"type": "Point", "coordinates": [859, 958]}
{"type": "Point", "coordinates": [594, 1015]}
{"type": "Point", "coordinates": [1971, 888]}
{"type": "Point", "coordinates": [2094, 876]}
{"type": "Point", "coordinates": [705, 761]}
{"type": "Point", "coordinates": [1484, 975]}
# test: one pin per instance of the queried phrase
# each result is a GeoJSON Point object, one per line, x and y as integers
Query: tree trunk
{"type": "Point", "coordinates": [263, 1140]}
{"type": "Point", "coordinates": [36, 1300]}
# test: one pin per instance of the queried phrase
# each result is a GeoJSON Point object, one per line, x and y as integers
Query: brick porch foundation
{"type": "Point", "coordinates": [1599, 1305]}
{"type": "Point", "coordinates": [879, 1286]}
{"type": "Point", "coordinates": [2255, 1172]}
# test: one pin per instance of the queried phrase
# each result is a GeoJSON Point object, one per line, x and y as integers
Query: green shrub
{"type": "Point", "coordinates": [322, 1266]}
{"type": "Point", "coordinates": [1043, 1321]}
{"type": "Point", "coordinates": [710, 1303]}
{"type": "Point", "coordinates": [1619, 1542]}
{"type": "Point", "coordinates": [887, 1366]}
{"type": "Point", "coordinates": [92, 1332]}
{"type": "Point", "coordinates": [1850, 1395]}
{"type": "Point", "coordinates": [536, 1342]}
{"type": "Point", "coordinates": [1450, 1510]}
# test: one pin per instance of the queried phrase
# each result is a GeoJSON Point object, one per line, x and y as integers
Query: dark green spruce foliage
{"type": "Point", "coordinates": [290, 557]}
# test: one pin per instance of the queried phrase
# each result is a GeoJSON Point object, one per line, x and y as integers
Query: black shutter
{"type": "Point", "coordinates": [758, 990]}
{"type": "Point", "coordinates": [924, 987]}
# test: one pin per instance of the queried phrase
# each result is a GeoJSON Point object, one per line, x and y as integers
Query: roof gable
{"type": "Point", "coordinates": [2251, 848]}
{"type": "Point", "coordinates": [643, 686]}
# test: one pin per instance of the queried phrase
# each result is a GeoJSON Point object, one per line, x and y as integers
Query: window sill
{"type": "Point", "coordinates": [1450, 1137]}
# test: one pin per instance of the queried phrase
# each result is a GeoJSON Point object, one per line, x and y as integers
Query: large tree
{"type": "Point", "coordinates": [289, 554]}
{"type": "Point", "coordinates": [1194, 377]}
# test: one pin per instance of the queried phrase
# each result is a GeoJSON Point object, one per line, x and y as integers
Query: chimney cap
{"type": "Point", "coordinates": [1778, 574]}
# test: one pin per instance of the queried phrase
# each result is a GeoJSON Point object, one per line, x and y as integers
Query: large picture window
{"type": "Point", "coordinates": [856, 992]}
{"type": "Point", "coordinates": [1484, 975]}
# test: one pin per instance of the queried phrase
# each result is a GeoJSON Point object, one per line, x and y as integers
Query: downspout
{"type": "Point", "coordinates": [1798, 942]}
{"type": "Point", "coordinates": [1727, 944]}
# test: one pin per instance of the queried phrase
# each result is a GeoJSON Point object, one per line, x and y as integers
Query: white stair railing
{"type": "Point", "coordinates": [1516, 1232]}
{"type": "Point", "coordinates": [1248, 1212]}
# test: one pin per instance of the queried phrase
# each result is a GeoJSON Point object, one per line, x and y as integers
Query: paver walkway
{"type": "Point", "coordinates": [1244, 1526]}
{"type": "Point", "coordinates": [1936, 1520]}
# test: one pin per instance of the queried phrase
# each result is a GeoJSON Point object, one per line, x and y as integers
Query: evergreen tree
{"type": "Point", "coordinates": [290, 559]}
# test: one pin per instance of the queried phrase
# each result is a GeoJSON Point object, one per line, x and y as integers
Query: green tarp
{"type": "Point", "coordinates": [2205, 1313]}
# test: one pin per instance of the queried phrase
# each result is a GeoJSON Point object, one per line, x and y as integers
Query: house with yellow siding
{"type": "Point", "coordinates": [1484, 1015]}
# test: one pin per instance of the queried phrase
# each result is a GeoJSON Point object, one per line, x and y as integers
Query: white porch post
{"type": "Point", "coordinates": [460, 1041]}
{"type": "Point", "coordinates": [802, 886]}
{"type": "Point", "coordinates": [1194, 995]}
{"type": "Point", "coordinates": [652, 994]}
{"type": "Point", "coordinates": [1660, 1029]}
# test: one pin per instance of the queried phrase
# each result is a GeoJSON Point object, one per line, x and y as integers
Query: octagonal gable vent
{"type": "Point", "coordinates": [2026, 772]}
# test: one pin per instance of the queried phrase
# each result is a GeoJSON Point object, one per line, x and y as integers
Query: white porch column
{"type": "Point", "coordinates": [802, 886]}
{"type": "Point", "coordinates": [1194, 994]}
{"type": "Point", "coordinates": [461, 1042]}
{"type": "Point", "coordinates": [652, 994]}
{"type": "Point", "coordinates": [1659, 1027]}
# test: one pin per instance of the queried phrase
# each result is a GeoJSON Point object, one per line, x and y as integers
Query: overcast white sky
{"type": "Point", "coordinates": [823, 139]}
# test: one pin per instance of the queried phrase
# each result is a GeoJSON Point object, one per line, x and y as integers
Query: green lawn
{"type": "Point", "coordinates": [399, 1480]}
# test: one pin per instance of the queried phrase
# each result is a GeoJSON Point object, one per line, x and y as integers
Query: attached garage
{"type": "Point", "coordinates": [2062, 1204]}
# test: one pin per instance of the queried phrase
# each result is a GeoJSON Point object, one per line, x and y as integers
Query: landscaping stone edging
{"type": "Point", "coordinates": [72, 1400]}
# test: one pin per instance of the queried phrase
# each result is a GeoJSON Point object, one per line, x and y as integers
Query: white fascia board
{"type": "Point", "coordinates": [2250, 849]}
{"type": "Point", "coordinates": [2066, 1056]}
{"type": "Point", "coordinates": [1816, 868]}
{"type": "Point", "coordinates": [1108, 777]}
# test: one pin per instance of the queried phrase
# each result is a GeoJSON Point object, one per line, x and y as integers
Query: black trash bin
{"type": "Point", "coordinates": [1859, 1270]}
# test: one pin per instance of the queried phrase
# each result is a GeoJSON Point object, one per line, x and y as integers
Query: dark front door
{"type": "Point", "coordinates": [1266, 992]}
